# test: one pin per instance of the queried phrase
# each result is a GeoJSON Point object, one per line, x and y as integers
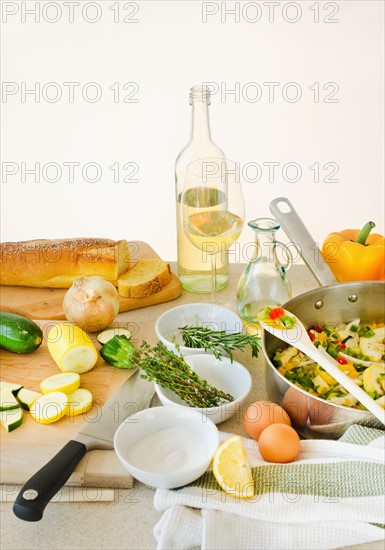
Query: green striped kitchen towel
{"type": "Point", "coordinates": [331, 496]}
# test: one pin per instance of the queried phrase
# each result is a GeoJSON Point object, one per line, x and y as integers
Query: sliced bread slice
{"type": "Point", "coordinates": [145, 278]}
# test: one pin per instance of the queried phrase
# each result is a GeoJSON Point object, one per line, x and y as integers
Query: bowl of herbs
{"type": "Point", "coordinates": [204, 328]}
{"type": "Point", "coordinates": [192, 363]}
{"type": "Point", "coordinates": [217, 388]}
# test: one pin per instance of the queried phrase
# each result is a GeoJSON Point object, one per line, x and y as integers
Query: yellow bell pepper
{"type": "Point", "coordinates": [355, 255]}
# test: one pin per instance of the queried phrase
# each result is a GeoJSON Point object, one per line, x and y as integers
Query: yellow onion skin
{"type": "Point", "coordinates": [92, 303]}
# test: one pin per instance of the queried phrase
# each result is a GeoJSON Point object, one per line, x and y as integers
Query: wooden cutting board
{"type": "Point", "coordinates": [47, 303]}
{"type": "Point", "coordinates": [25, 450]}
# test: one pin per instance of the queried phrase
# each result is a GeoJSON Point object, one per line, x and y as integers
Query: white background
{"type": "Point", "coordinates": [168, 50]}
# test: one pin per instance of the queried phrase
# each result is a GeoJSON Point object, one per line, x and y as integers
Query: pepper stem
{"type": "Point", "coordinates": [364, 234]}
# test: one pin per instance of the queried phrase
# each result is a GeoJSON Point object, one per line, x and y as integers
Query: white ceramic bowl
{"type": "Point", "coordinates": [166, 447]}
{"type": "Point", "coordinates": [208, 315]}
{"type": "Point", "coordinates": [229, 377]}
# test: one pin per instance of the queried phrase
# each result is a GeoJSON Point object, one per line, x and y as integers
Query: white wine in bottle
{"type": "Point", "coordinates": [194, 266]}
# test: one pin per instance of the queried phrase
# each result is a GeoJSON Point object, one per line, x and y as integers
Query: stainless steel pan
{"type": "Point", "coordinates": [333, 303]}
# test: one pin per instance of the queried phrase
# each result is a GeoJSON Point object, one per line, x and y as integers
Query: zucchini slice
{"type": "Point", "coordinates": [106, 335]}
{"type": "Point", "coordinates": [8, 400]}
{"type": "Point", "coordinates": [27, 398]}
{"type": "Point", "coordinates": [15, 388]}
{"type": "Point", "coordinates": [11, 420]}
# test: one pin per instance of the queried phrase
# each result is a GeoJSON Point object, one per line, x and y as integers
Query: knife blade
{"type": "Point", "coordinates": [134, 395]}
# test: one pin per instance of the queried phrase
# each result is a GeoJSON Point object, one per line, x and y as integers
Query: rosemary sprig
{"type": "Point", "coordinates": [171, 371]}
{"type": "Point", "coordinates": [218, 341]}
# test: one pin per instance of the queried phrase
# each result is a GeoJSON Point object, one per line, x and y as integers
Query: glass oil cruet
{"type": "Point", "coordinates": [264, 281]}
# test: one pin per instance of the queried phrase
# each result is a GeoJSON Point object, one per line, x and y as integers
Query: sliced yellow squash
{"type": "Point", "coordinates": [71, 348]}
{"type": "Point", "coordinates": [372, 379]}
{"type": "Point", "coordinates": [66, 382]}
{"type": "Point", "coordinates": [79, 402]}
{"type": "Point", "coordinates": [50, 407]}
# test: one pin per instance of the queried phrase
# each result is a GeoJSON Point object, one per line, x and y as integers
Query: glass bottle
{"type": "Point", "coordinates": [194, 268]}
{"type": "Point", "coordinates": [264, 281]}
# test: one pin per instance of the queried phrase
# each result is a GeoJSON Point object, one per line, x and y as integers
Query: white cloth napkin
{"type": "Point", "coordinates": [331, 496]}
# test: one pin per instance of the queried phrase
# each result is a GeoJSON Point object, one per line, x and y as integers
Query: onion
{"type": "Point", "coordinates": [349, 325]}
{"type": "Point", "coordinates": [304, 363]}
{"type": "Point", "coordinates": [91, 303]}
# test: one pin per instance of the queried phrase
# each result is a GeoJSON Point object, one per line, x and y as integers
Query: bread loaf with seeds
{"type": "Point", "coordinates": [57, 263]}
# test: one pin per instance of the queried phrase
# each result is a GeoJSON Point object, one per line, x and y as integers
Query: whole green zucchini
{"type": "Point", "coordinates": [19, 334]}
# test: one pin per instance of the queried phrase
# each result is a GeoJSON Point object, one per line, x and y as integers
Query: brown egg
{"type": "Point", "coordinates": [279, 443]}
{"type": "Point", "coordinates": [321, 413]}
{"type": "Point", "coordinates": [295, 404]}
{"type": "Point", "coordinates": [261, 414]}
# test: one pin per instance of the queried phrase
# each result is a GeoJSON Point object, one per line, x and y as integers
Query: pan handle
{"type": "Point", "coordinates": [42, 486]}
{"type": "Point", "coordinates": [291, 223]}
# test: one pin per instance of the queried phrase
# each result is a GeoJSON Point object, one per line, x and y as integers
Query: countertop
{"type": "Point", "coordinates": [127, 521]}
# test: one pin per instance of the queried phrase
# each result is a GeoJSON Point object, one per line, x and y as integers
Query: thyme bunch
{"type": "Point", "coordinates": [167, 369]}
{"type": "Point", "coordinates": [171, 371]}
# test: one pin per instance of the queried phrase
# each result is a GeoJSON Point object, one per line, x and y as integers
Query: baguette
{"type": "Point", "coordinates": [57, 263]}
{"type": "Point", "coordinates": [145, 278]}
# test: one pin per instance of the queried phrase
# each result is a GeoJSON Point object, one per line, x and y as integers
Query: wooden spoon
{"type": "Point", "coordinates": [297, 336]}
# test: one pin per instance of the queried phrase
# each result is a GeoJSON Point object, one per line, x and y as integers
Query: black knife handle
{"type": "Point", "coordinates": [41, 487]}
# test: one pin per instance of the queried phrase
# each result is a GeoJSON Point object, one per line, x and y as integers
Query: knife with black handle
{"type": "Point", "coordinates": [98, 433]}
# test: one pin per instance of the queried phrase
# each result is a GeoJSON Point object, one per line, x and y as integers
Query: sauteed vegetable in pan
{"type": "Point", "coordinates": [357, 347]}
